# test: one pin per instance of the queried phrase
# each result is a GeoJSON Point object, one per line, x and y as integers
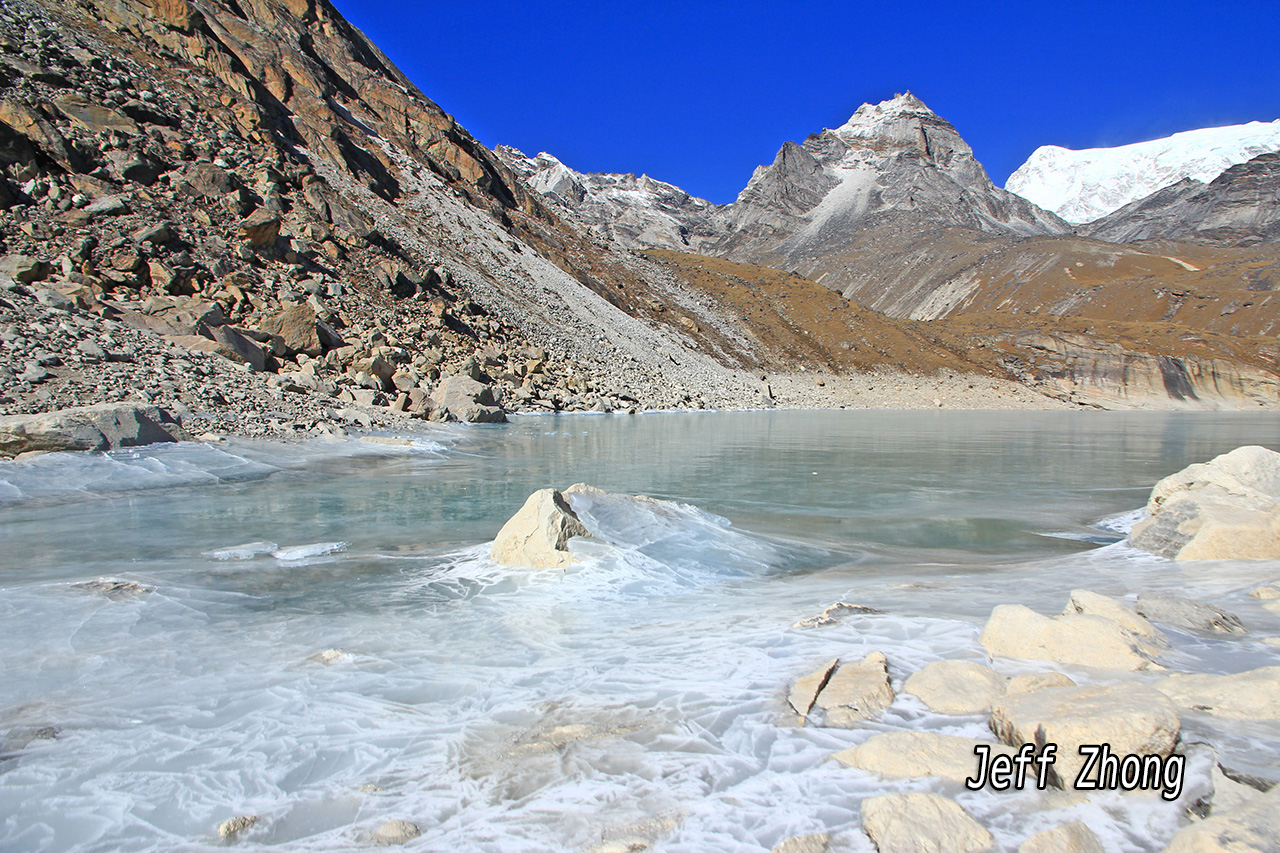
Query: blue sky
{"type": "Point", "coordinates": [700, 93]}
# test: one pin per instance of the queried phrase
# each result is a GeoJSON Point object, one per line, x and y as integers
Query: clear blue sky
{"type": "Point", "coordinates": [699, 93]}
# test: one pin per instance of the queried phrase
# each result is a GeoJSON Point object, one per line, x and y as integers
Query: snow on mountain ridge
{"type": "Point", "coordinates": [1085, 185]}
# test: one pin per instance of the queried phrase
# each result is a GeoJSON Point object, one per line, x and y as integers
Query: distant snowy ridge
{"type": "Point", "coordinates": [1081, 186]}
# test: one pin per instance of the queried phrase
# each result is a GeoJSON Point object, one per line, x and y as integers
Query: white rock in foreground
{"type": "Point", "coordinates": [1129, 718]}
{"type": "Point", "coordinates": [396, 832]}
{"type": "Point", "coordinates": [917, 823]}
{"type": "Point", "coordinates": [856, 691]}
{"type": "Point", "coordinates": [1223, 509]}
{"type": "Point", "coordinates": [910, 755]}
{"type": "Point", "coordinates": [806, 688]}
{"type": "Point", "coordinates": [1092, 604]}
{"type": "Point", "coordinates": [814, 842]}
{"type": "Point", "coordinates": [538, 534]}
{"type": "Point", "coordinates": [1017, 631]}
{"type": "Point", "coordinates": [956, 686]}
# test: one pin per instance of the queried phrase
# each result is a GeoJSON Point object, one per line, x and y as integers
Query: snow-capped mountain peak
{"type": "Point", "coordinates": [1081, 186]}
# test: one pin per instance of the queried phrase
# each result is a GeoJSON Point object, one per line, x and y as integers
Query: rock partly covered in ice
{"type": "Point", "coordinates": [910, 755]}
{"type": "Point", "coordinates": [232, 827]}
{"type": "Point", "coordinates": [1080, 639]}
{"type": "Point", "coordinates": [912, 823]}
{"type": "Point", "coordinates": [856, 691]}
{"type": "Point", "coordinates": [103, 427]}
{"type": "Point", "coordinates": [396, 832]}
{"type": "Point", "coordinates": [1185, 613]}
{"type": "Point", "coordinates": [956, 686]}
{"type": "Point", "coordinates": [537, 536]}
{"type": "Point", "coordinates": [814, 842]}
{"type": "Point", "coordinates": [1223, 509]}
{"type": "Point", "coordinates": [1130, 718]}
{"type": "Point", "coordinates": [1251, 695]}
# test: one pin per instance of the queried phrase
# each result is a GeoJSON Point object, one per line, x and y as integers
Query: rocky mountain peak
{"type": "Point", "coordinates": [904, 123]}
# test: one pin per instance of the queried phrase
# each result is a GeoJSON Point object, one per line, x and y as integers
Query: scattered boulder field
{"type": "Point", "coordinates": [1131, 705]}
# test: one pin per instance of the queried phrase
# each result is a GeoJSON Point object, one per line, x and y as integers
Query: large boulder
{"type": "Point", "coordinates": [1186, 613]}
{"type": "Point", "coordinates": [537, 536]}
{"type": "Point", "coordinates": [1226, 508]}
{"type": "Point", "coordinates": [1251, 695]}
{"type": "Point", "coordinates": [301, 331]}
{"type": "Point", "coordinates": [463, 398]}
{"type": "Point", "coordinates": [956, 686]}
{"type": "Point", "coordinates": [1129, 718]}
{"type": "Point", "coordinates": [1251, 828]}
{"type": "Point", "coordinates": [856, 691]}
{"type": "Point", "coordinates": [909, 755]}
{"type": "Point", "coordinates": [919, 823]}
{"type": "Point", "coordinates": [102, 427]}
{"type": "Point", "coordinates": [1075, 638]}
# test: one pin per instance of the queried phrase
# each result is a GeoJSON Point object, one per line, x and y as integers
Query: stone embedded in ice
{"type": "Point", "coordinates": [912, 755]}
{"type": "Point", "coordinates": [956, 686]}
{"type": "Point", "coordinates": [1188, 614]}
{"type": "Point", "coordinates": [537, 535]}
{"type": "Point", "coordinates": [396, 832]}
{"type": "Point", "coordinates": [856, 691]}
{"type": "Point", "coordinates": [910, 823]}
{"type": "Point", "coordinates": [1072, 837]}
{"type": "Point", "coordinates": [1250, 695]}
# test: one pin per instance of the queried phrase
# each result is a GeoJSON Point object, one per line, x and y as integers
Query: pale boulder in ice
{"type": "Point", "coordinates": [396, 832]}
{"type": "Point", "coordinates": [538, 534]}
{"type": "Point", "coordinates": [1017, 631]}
{"type": "Point", "coordinates": [913, 823]}
{"type": "Point", "coordinates": [1251, 695]}
{"type": "Point", "coordinates": [1130, 718]}
{"type": "Point", "coordinates": [1072, 837]}
{"type": "Point", "coordinates": [856, 691]}
{"type": "Point", "coordinates": [1223, 509]}
{"type": "Point", "coordinates": [956, 686]}
{"type": "Point", "coordinates": [232, 827]}
{"type": "Point", "coordinates": [814, 842]}
{"type": "Point", "coordinates": [911, 755]}
{"type": "Point", "coordinates": [105, 426]}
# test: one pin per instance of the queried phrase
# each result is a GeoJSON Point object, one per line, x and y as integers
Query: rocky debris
{"type": "Point", "coordinates": [114, 590]}
{"type": "Point", "coordinates": [231, 828]}
{"type": "Point", "coordinates": [911, 755]}
{"type": "Point", "coordinates": [102, 427]}
{"type": "Point", "coordinates": [1130, 718]}
{"type": "Point", "coordinates": [396, 832]}
{"type": "Point", "coordinates": [856, 692]}
{"type": "Point", "coordinates": [1250, 695]}
{"type": "Point", "coordinates": [537, 535]}
{"type": "Point", "coordinates": [835, 614]}
{"type": "Point", "coordinates": [1228, 794]}
{"type": "Point", "coordinates": [814, 842]}
{"type": "Point", "coordinates": [910, 823]}
{"type": "Point", "coordinates": [806, 688]}
{"type": "Point", "coordinates": [1072, 837]}
{"type": "Point", "coordinates": [1081, 639]}
{"type": "Point", "coordinates": [1191, 615]}
{"type": "Point", "coordinates": [1223, 509]}
{"type": "Point", "coordinates": [956, 686]}
{"type": "Point", "coordinates": [1250, 828]}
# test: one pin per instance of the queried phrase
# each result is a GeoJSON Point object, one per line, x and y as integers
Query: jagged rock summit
{"type": "Point", "coordinates": [1085, 185]}
{"type": "Point", "coordinates": [895, 157]}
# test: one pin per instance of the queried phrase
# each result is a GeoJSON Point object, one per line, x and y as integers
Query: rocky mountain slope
{"type": "Point", "coordinates": [1083, 186]}
{"type": "Point", "coordinates": [1240, 207]}
{"type": "Point", "coordinates": [636, 213]}
{"type": "Point", "coordinates": [244, 213]}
